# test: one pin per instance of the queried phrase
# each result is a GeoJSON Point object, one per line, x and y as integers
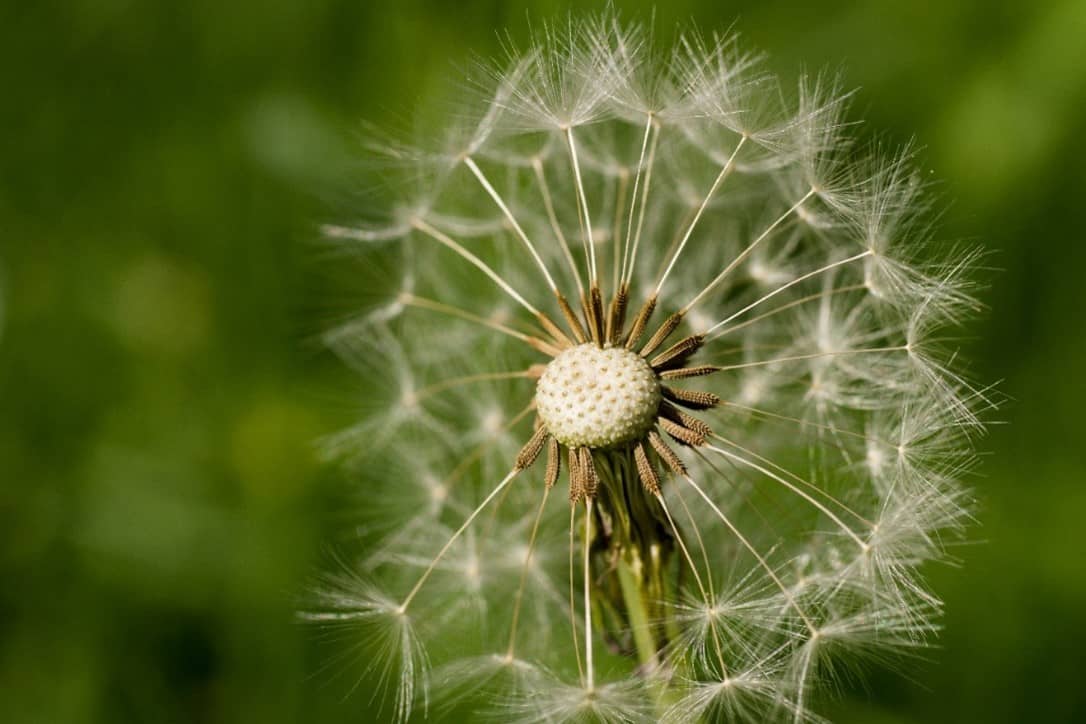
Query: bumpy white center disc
{"type": "Point", "coordinates": [596, 397]}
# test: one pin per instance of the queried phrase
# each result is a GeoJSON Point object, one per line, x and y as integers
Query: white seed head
{"type": "Point", "coordinates": [807, 273]}
{"type": "Point", "coordinates": [596, 397]}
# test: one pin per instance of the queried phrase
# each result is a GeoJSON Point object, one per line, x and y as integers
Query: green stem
{"type": "Point", "coordinates": [643, 639]}
{"type": "Point", "coordinates": [639, 620]}
{"type": "Point", "coordinates": [671, 627]}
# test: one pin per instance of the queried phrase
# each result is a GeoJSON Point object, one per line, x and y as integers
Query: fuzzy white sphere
{"type": "Point", "coordinates": [806, 260]}
{"type": "Point", "coordinates": [596, 397]}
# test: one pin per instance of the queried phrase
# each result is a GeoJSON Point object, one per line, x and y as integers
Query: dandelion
{"type": "Point", "coordinates": [688, 299]}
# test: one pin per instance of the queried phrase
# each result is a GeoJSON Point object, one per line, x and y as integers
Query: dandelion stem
{"type": "Point", "coordinates": [572, 602]}
{"type": "Point", "coordinates": [801, 481]}
{"type": "Point", "coordinates": [453, 382]}
{"type": "Point", "coordinates": [806, 496]}
{"type": "Point", "coordinates": [748, 251]}
{"type": "Point", "coordinates": [465, 464]}
{"type": "Point", "coordinates": [582, 200]}
{"type": "Point", "coordinates": [801, 694]}
{"type": "Point", "coordinates": [682, 547]}
{"type": "Point", "coordinates": [633, 597]}
{"type": "Point", "coordinates": [633, 196]}
{"type": "Point", "coordinates": [621, 188]}
{"type": "Point", "coordinates": [452, 539]}
{"type": "Point", "coordinates": [548, 205]}
{"type": "Point", "coordinates": [697, 577]}
{"type": "Point", "coordinates": [803, 423]}
{"type": "Point", "coordinates": [813, 355]}
{"type": "Point", "coordinates": [587, 545]}
{"type": "Point", "coordinates": [474, 260]}
{"type": "Point", "coordinates": [754, 552]}
{"type": "Point", "coordinates": [354, 234]}
{"type": "Point", "coordinates": [644, 199]}
{"type": "Point", "coordinates": [789, 305]}
{"type": "Point", "coordinates": [524, 572]}
{"type": "Point", "coordinates": [701, 544]}
{"type": "Point", "coordinates": [778, 290]}
{"type": "Point", "coordinates": [701, 209]}
{"type": "Point", "coordinates": [422, 303]}
{"type": "Point", "coordinates": [470, 163]}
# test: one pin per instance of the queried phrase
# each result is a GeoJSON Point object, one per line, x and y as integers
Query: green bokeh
{"type": "Point", "coordinates": [162, 170]}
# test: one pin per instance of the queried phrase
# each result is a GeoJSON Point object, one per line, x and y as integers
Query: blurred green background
{"type": "Point", "coordinates": [162, 170]}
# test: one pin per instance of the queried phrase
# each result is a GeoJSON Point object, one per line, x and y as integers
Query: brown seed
{"type": "Point", "coordinates": [588, 469]}
{"type": "Point", "coordinates": [649, 479]}
{"type": "Point", "coordinates": [699, 371]}
{"type": "Point", "coordinates": [554, 463]}
{"type": "Point", "coordinates": [677, 354]}
{"type": "Point", "coordinates": [640, 321]}
{"type": "Point", "coordinates": [576, 478]}
{"type": "Point", "coordinates": [667, 454]}
{"type": "Point", "coordinates": [682, 434]}
{"type": "Point", "coordinates": [531, 449]}
{"type": "Point", "coordinates": [688, 421]}
{"type": "Point", "coordinates": [690, 399]}
{"type": "Point", "coordinates": [554, 331]}
{"type": "Point", "coordinates": [616, 317]}
{"type": "Point", "coordinates": [571, 318]}
{"type": "Point", "coordinates": [595, 300]}
{"type": "Point", "coordinates": [662, 333]}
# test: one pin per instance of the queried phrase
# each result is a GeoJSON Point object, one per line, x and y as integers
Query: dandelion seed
{"type": "Point", "coordinates": [731, 319]}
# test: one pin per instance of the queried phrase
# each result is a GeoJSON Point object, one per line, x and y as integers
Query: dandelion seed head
{"type": "Point", "coordinates": [687, 296]}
